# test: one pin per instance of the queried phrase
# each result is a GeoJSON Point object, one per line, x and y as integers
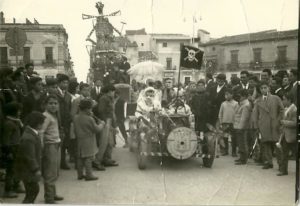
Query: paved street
{"type": "Point", "coordinates": [177, 182]}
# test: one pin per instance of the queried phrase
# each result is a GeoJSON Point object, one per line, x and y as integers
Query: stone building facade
{"type": "Point", "coordinates": [253, 52]}
{"type": "Point", "coordinates": [46, 47]}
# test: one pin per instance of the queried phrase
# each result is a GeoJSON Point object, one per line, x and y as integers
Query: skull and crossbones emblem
{"type": "Point", "coordinates": [191, 55]}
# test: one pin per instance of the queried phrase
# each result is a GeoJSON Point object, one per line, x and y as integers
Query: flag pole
{"type": "Point", "coordinates": [178, 80]}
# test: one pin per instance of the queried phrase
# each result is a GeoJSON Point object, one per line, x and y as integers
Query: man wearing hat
{"type": "Point", "coordinates": [217, 96]}
{"type": "Point", "coordinates": [64, 98]}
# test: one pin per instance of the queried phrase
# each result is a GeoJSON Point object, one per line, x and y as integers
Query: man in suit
{"type": "Point", "coordinates": [217, 96]}
{"type": "Point", "coordinates": [29, 70]}
{"type": "Point", "coordinates": [276, 88]}
{"type": "Point", "coordinates": [105, 112]}
{"type": "Point", "coordinates": [168, 92]}
{"type": "Point", "coordinates": [286, 85]}
{"type": "Point", "coordinates": [288, 141]}
{"type": "Point", "coordinates": [244, 84]}
{"type": "Point", "coordinates": [268, 111]}
{"type": "Point", "coordinates": [294, 84]}
{"type": "Point", "coordinates": [96, 91]}
{"type": "Point", "coordinates": [64, 99]}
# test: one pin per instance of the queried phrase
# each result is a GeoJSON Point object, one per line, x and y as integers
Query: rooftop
{"type": "Point", "coordinates": [258, 36]}
{"type": "Point", "coordinates": [170, 36]}
{"type": "Point", "coordinates": [136, 32]}
{"type": "Point", "coordinates": [125, 42]}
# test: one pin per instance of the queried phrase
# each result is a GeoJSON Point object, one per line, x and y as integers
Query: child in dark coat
{"type": "Point", "coordinates": [28, 158]}
{"type": "Point", "coordinates": [85, 131]}
{"type": "Point", "coordinates": [11, 138]}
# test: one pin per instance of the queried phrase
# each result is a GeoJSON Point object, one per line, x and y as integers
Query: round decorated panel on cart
{"type": "Point", "coordinates": [182, 143]}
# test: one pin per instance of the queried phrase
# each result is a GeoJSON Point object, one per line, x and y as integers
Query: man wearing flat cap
{"type": "Point", "coordinates": [65, 99]}
{"type": "Point", "coordinates": [218, 96]}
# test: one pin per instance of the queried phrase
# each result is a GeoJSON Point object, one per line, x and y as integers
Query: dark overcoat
{"type": "Point", "coordinates": [28, 158]}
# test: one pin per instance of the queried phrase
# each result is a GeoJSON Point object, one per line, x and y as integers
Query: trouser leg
{"type": "Point", "coordinates": [243, 147]}
{"type": "Point", "coordinates": [123, 130]}
{"type": "Point", "coordinates": [283, 167]}
{"type": "Point", "coordinates": [267, 151]}
{"type": "Point", "coordinates": [50, 170]}
{"type": "Point", "coordinates": [9, 181]}
{"type": "Point", "coordinates": [80, 167]}
{"type": "Point", "coordinates": [102, 145]}
{"type": "Point", "coordinates": [31, 192]}
{"type": "Point", "coordinates": [88, 166]}
{"type": "Point", "coordinates": [234, 144]}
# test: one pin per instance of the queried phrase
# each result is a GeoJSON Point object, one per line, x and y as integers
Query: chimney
{"type": "Point", "coordinates": [2, 19]}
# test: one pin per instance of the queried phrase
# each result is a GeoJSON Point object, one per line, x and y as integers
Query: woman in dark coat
{"type": "Point", "coordinates": [28, 160]}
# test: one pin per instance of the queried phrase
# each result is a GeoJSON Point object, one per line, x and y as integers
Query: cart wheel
{"type": "Point", "coordinates": [142, 158]}
{"type": "Point", "coordinates": [208, 160]}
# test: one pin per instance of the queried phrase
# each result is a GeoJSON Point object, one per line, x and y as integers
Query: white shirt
{"type": "Point", "coordinates": [265, 97]}
{"type": "Point", "coordinates": [219, 88]}
{"type": "Point", "coordinates": [98, 89]}
{"type": "Point", "coordinates": [295, 83]}
{"type": "Point", "coordinates": [277, 90]}
{"type": "Point", "coordinates": [245, 86]}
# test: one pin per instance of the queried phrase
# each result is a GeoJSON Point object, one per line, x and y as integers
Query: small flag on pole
{"type": "Point", "coordinates": [191, 57]}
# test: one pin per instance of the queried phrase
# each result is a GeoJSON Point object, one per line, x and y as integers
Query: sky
{"type": "Point", "coordinates": [219, 17]}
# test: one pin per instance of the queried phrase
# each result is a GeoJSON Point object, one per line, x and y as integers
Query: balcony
{"type": "Point", "coordinates": [49, 63]}
{"type": "Point", "coordinates": [233, 66]}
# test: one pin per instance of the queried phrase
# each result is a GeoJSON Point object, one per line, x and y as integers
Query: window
{"type": "Point", "coordinates": [169, 63]}
{"type": "Point", "coordinates": [26, 55]}
{"type": "Point", "coordinates": [281, 53]}
{"type": "Point", "coordinates": [234, 56]}
{"type": "Point", "coordinates": [165, 44]}
{"type": "Point", "coordinates": [213, 48]}
{"type": "Point", "coordinates": [3, 55]}
{"type": "Point", "coordinates": [49, 54]}
{"type": "Point", "coordinates": [187, 80]}
{"type": "Point", "coordinates": [142, 44]}
{"type": "Point", "coordinates": [257, 55]}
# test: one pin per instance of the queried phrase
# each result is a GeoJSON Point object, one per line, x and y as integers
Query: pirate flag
{"type": "Point", "coordinates": [190, 57]}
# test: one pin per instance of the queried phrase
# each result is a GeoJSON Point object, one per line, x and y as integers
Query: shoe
{"type": "Point", "coordinates": [20, 189]}
{"type": "Point", "coordinates": [91, 178]}
{"type": "Point", "coordinates": [224, 154]}
{"type": "Point", "coordinates": [65, 167]}
{"type": "Point", "coordinates": [58, 198]}
{"type": "Point", "coordinates": [241, 163]}
{"type": "Point", "coordinates": [81, 177]}
{"type": "Point", "coordinates": [282, 173]}
{"type": "Point", "coordinates": [99, 167]}
{"type": "Point", "coordinates": [234, 155]}
{"type": "Point", "coordinates": [125, 145]}
{"type": "Point", "coordinates": [10, 194]}
{"type": "Point", "coordinates": [267, 166]}
{"type": "Point", "coordinates": [110, 164]}
{"type": "Point", "coordinates": [238, 160]}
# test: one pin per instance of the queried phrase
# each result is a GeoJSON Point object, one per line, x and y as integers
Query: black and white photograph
{"type": "Point", "coordinates": [149, 102]}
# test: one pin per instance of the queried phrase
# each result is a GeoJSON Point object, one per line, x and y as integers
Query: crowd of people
{"type": "Point", "coordinates": [256, 116]}
{"type": "Point", "coordinates": [47, 126]}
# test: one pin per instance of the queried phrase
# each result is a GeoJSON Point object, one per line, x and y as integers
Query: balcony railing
{"type": "Point", "coordinates": [49, 63]}
{"type": "Point", "coordinates": [258, 66]}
